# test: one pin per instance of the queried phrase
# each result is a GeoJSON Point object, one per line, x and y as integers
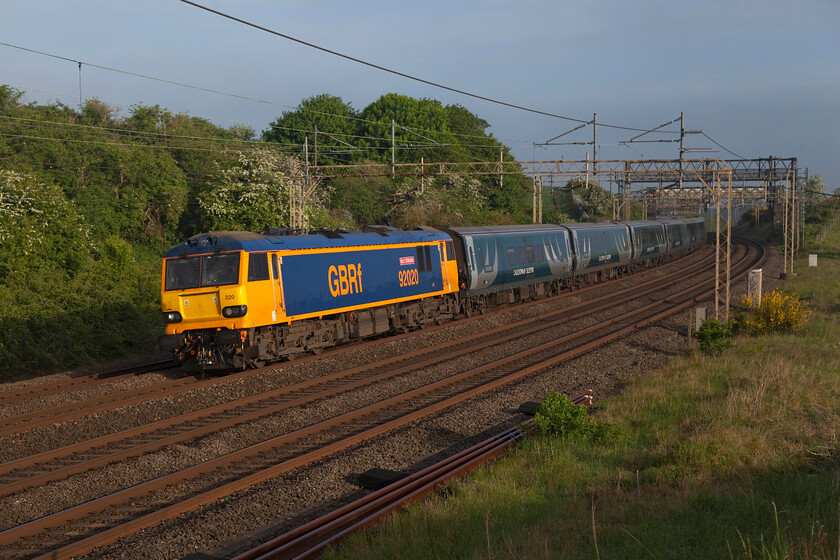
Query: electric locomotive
{"type": "Point", "coordinates": [236, 299]}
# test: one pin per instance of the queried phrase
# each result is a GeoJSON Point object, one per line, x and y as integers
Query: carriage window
{"type": "Point", "coordinates": [557, 248]}
{"type": "Point", "coordinates": [490, 257]}
{"type": "Point", "coordinates": [530, 252]}
{"type": "Point", "coordinates": [257, 267]}
{"type": "Point", "coordinates": [583, 245]}
{"type": "Point", "coordinates": [511, 254]}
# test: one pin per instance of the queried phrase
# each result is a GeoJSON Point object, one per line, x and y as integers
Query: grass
{"type": "Point", "coordinates": [729, 456]}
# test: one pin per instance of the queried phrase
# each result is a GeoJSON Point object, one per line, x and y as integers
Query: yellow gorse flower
{"type": "Point", "coordinates": [776, 313]}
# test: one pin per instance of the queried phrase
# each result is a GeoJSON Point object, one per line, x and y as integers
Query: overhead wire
{"type": "Point", "coordinates": [403, 74]}
{"type": "Point", "coordinates": [354, 59]}
{"type": "Point", "coordinates": [159, 136]}
{"type": "Point", "coordinates": [727, 150]}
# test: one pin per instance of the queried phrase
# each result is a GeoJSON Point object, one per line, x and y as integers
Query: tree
{"type": "Point", "coordinates": [38, 224]}
{"type": "Point", "coordinates": [9, 100]}
{"type": "Point", "coordinates": [254, 194]}
{"type": "Point", "coordinates": [336, 124]}
{"type": "Point", "coordinates": [815, 190]}
{"type": "Point", "coordinates": [423, 129]}
{"type": "Point", "coordinates": [363, 200]}
{"type": "Point", "coordinates": [453, 200]}
{"type": "Point", "coordinates": [593, 202]}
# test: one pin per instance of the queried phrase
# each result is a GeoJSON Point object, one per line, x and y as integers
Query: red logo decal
{"type": "Point", "coordinates": [406, 260]}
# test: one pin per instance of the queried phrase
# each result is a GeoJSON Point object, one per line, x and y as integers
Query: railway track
{"type": "Point", "coordinates": [55, 464]}
{"type": "Point", "coordinates": [80, 382]}
{"type": "Point", "coordinates": [307, 541]}
{"type": "Point", "coordinates": [178, 387]}
{"type": "Point", "coordinates": [77, 529]}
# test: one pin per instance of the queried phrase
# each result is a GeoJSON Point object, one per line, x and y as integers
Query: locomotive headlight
{"type": "Point", "coordinates": [171, 317]}
{"type": "Point", "coordinates": [235, 311]}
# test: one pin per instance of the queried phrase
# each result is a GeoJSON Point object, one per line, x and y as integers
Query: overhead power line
{"type": "Point", "coordinates": [713, 141]}
{"type": "Point", "coordinates": [408, 76]}
{"type": "Point", "coordinates": [136, 75]}
{"type": "Point", "coordinates": [397, 72]}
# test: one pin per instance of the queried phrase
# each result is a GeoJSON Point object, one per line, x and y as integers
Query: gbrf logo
{"type": "Point", "coordinates": [345, 279]}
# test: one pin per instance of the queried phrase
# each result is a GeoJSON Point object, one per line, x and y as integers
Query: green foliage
{"type": "Point", "coordinates": [714, 336]}
{"type": "Point", "coordinates": [75, 290]}
{"type": "Point", "coordinates": [365, 200]}
{"type": "Point", "coordinates": [452, 200]}
{"type": "Point", "coordinates": [814, 190]}
{"type": "Point", "coordinates": [333, 118]}
{"type": "Point", "coordinates": [255, 193]}
{"type": "Point", "coordinates": [593, 203]}
{"type": "Point", "coordinates": [559, 416]}
{"type": "Point", "coordinates": [424, 130]}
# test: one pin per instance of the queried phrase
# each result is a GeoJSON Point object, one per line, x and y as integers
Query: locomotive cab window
{"type": "Point", "coordinates": [182, 273]}
{"type": "Point", "coordinates": [218, 269]}
{"type": "Point", "coordinates": [258, 267]}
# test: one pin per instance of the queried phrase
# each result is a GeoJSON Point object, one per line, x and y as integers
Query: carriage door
{"type": "Point", "coordinates": [277, 283]}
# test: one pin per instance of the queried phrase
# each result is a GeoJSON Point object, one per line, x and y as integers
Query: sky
{"type": "Point", "coordinates": [760, 77]}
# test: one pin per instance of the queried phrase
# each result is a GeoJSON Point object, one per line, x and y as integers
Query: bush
{"type": "Point", "coordinates": [559, 416]}
{"type": "Point", "coordinates": [776, 313]}
{"type": "Point", "coordinates": [714, 336]}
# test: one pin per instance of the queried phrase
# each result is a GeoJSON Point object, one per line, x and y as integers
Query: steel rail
{"type": "Point", "coordinates": [70, 411]}
{"type": "Point", "coordinates": [310, 539]}
{"type": "Point", "coordinates": [83, 381]}
{"type": "Point", "coordinates": [414, 360]}
{"type": "Point", "coordinates": [246, 481]}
